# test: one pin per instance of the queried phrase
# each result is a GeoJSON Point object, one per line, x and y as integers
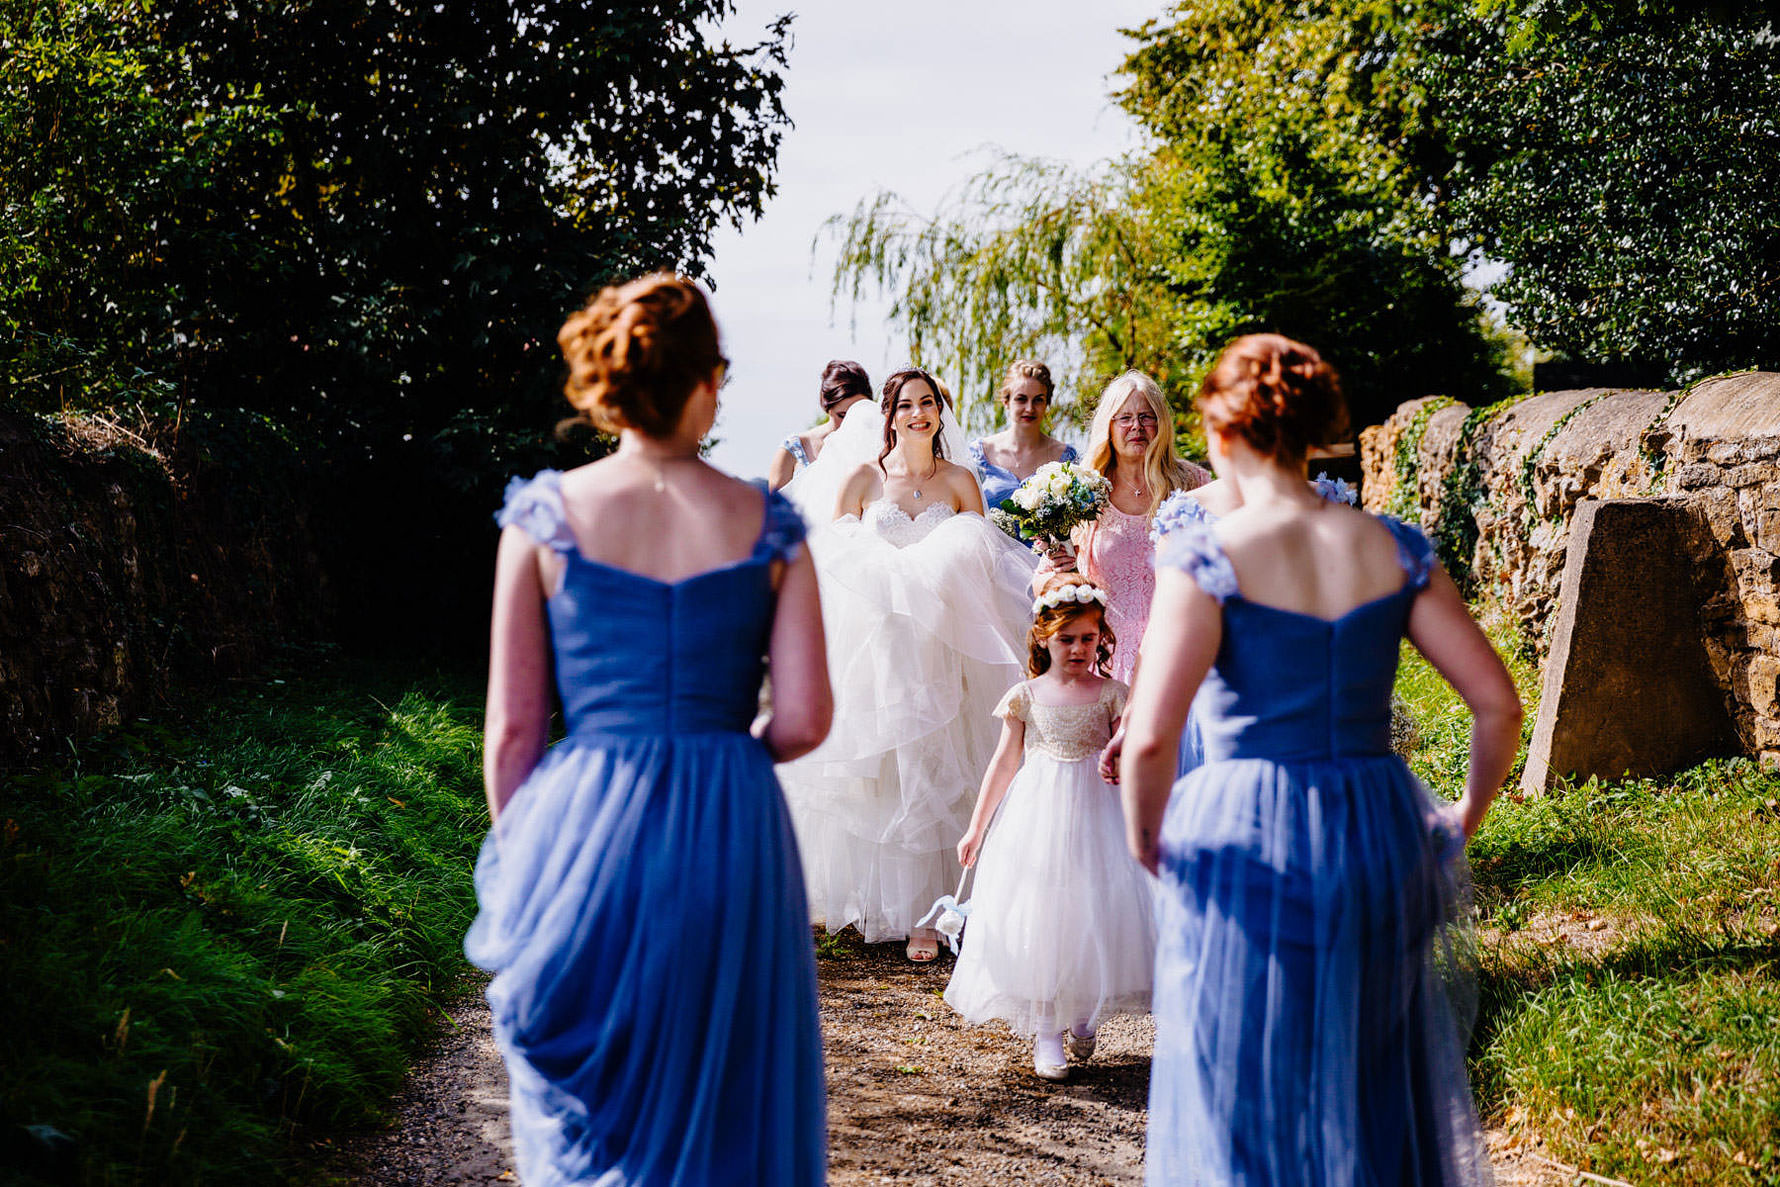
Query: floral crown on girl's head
{"type": "Point", "coordinates": [1065, 594]}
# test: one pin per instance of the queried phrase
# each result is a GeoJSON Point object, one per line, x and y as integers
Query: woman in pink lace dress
{"type": "Point", "coordinates": [1131, 441]}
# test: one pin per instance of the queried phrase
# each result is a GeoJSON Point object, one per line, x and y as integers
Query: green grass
{"type": "Point", "coordinates": [221, 930]}
{"type": "Point", "coordinates": [1629, 958]}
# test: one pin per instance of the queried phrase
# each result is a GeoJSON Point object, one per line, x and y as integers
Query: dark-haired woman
{"type": "Point", "coordinates": [844, 384]}
{"type": "Point", "coordinates": [651, 585]}
{"type": "Point", "coordinates": [1006, 459]}
{"type": "Point", "coordinates": [926, 609]}
{"type": "Point", "coordinates": [1310, 992]}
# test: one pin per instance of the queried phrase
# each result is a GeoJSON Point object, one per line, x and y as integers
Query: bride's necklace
{"type": "Point", "coordinates": [929, 477]}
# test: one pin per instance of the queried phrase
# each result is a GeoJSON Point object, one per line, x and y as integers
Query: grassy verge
{"type": "Point", "coordinates": [1630, 961]}
{"type": "Point", "coordinates": [217, 930]}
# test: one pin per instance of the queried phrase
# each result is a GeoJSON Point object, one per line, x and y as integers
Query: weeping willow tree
{"type": "Point", "coordinates": [1029, 259]}
{"type": "Point", "coordinates": [1283, 188]}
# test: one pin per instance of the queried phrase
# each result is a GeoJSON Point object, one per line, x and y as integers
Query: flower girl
{"type": "Point", "coordinates": [1061, 930]}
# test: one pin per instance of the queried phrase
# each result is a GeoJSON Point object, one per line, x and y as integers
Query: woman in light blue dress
{"type": "Point", "coordinates": [844, 384]}
{"type": "Point", "coordinates": [1006, 459]}
{"type": "Point", "coordinates": [642, 904]}
{"type": "Point", "coordinates": [1311, 995]}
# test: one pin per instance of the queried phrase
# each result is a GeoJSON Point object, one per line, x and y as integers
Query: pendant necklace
{"type": "Point", "coordinates": [930, 474]}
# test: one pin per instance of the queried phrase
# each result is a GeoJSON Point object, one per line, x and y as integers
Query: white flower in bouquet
{"type": "Point", "coordinates": [1046, 507]}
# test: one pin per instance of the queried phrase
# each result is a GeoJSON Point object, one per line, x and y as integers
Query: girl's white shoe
{"type": "Point", "coordinates": [1081, 1047]}
{"type": "Point", "coordinates": [1047, 1057]}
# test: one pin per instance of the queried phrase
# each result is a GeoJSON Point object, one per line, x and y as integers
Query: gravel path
{"type": "Point", "coordinates": [914, 1096]}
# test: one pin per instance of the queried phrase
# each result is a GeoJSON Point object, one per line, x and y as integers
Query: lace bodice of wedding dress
{"type": "Point", "coordinates": [898, 527]}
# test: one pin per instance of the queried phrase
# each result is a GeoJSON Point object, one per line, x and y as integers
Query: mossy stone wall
{"type": "Point", "coordinates": [1496, 488]}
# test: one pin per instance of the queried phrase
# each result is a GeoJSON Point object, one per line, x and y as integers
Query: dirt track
{"type": "Point", "coordinates": [914, 1096]}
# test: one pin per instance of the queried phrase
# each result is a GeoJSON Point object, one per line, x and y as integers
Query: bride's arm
{"type": "Point", "coordinates": [856, 492]}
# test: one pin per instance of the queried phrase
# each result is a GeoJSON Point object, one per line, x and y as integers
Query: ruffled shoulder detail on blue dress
{"type": "Point", "coordinates": [793, 445]}
{"type": "Point", "coordinates": [1414, 552]}
{"type": "Point", "coordinates": [1193, 549]}
{"type": "Point", "coordinates": [1336, 490]}
{"type": "Point", "coordinates": [1069, 453]}
{"type": "Point", "coordinates": [783, 531]}
{"type": "Point", "coordinates": [975, 450]}
{"type": "Point", "coordinates": [535, 505]}
{"type": "Point", "coordinates": [1177, 511]}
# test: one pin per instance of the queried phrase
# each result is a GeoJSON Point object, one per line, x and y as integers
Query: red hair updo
{"type": "Point", "coordinates": [1274, 393]}
{"type": "Point", "coordinates": [637, 352]}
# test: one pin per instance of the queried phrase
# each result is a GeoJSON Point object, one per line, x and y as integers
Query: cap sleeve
{"type": "Point", "coordinates": [1014, 703]}
{"type": "Point", "coordinates": [1336, 490]}
{"type": "Point", "coordinates": [1177, 511]}
{"type": "Point", "coordinates": [534, 505]}
{"type": "Point", "coordinates": [1194, 550]}
{"type": "Point", "coordinates": [783, 532]}
{"type": "Point", "coordinates": [1414, 552]}
{"type": "Point", "coordinates": [1117, 694]}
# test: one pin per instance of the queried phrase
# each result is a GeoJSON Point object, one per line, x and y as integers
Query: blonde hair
{"type": "Point", "coordinates": [1027, 369]}
{"type": "Point", "coordinates": [1163, 471]}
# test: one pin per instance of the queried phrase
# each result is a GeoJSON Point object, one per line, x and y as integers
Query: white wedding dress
{"type": "Point", "coordinates": [926, 620]}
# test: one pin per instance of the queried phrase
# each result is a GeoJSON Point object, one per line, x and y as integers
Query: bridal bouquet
{"type": "Point", "coordinates": [1046, 507]}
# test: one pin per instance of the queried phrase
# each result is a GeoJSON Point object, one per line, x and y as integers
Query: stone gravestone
{"type": "Point", "coordinates": [1628, 688]}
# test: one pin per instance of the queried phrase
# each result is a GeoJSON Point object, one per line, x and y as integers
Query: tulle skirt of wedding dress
{"type": "Point", "coordinates": [926, 623]}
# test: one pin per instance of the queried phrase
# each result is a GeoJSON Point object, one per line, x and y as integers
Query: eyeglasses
{"type": "Point", "coordinates": [1127, 421]}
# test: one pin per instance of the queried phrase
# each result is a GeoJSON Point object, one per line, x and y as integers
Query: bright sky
{"type": "Point", "coordinates": [906, 97]}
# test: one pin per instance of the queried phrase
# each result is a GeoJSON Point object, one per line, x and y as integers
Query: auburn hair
{"type": "Point", "coordinates": [637, 352]}
{"type": "Point", "coordinates": [1047, 622]}
{"type": "Point", "coordinates": [1276, 394]}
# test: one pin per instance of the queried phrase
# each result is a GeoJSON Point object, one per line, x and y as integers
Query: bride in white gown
{"type": "Point", "coordinates": [925, 606]}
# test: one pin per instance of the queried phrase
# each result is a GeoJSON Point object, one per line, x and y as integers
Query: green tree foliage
{"type": "Point", "coordinates": [363, 219]}
{"type": "Point", "coordinates": [1622, 157]}
{"type": "Point", "coordinates": [1028, 260]}
{"type": "Point", "coordinates": [1277, 193]}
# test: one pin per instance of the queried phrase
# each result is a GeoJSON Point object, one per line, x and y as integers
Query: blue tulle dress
{"type": "Point", "coordinates": [1313, 991]}
{"type": "Point", "coordinates": [998, 483]}
{"type": "Point", "coordinates": [642, 907]}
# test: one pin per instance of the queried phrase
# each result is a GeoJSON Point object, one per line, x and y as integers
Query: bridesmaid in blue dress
{"type": "Point", "coordinates": [1202, 507]}
{"type": "Point", "coordinates": [844, 384]}
{"type": "Point", "coordinates": [1008, 458]}
{"type": "Point", "coordinates": [1311, 995]}
{"type": "Point", "coordinates": [642, 905]}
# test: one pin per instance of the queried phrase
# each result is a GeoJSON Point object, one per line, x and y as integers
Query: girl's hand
{"type": "Point", "coordinates": [968, 848]}
{"type": "Point", "coordinates": [1109, 757]}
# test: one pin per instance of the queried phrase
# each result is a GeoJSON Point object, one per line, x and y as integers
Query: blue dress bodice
{"type": "Point", "coordinates": [636, 656]}
{"type": "Point", "coordinates": [1336, 702]}
{"type": "Point", "coordinates": [998, 483]}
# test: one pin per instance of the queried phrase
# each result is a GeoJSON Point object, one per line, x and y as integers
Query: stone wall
{"type": "Point", "coordinates": [129, 564]}
{"type": "Point", "coordinates": [1497, 488]}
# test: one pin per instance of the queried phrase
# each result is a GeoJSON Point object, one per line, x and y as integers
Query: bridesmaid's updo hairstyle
{"type": "Point", "coordinates": [893, 386]}
{"type": "Point", "coordinates": [1276, 394]}
{"type": "Point", "coordinates": [842, 379]}
{"type": "Point", "coordinates": [637, 352]}
{"type": "Point", "coordinates": [1028, 369]}
{"type": "Point", "coordinates": [1048, 621]}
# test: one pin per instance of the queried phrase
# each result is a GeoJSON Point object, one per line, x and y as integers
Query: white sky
{"type": "Point", "coordinates": [901, 96]}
